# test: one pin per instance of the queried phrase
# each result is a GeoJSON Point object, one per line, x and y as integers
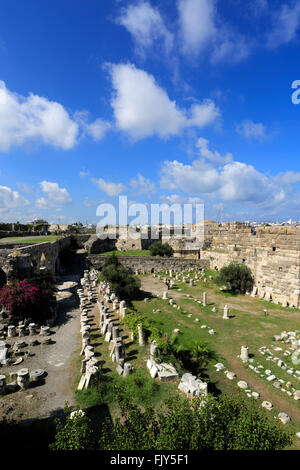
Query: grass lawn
{"type": "Point", "coordinates": [128, 253]}
{"type": "Point", "coordinates": [28, 240]}
{"type": "Point", "coordinates": [248, 325]}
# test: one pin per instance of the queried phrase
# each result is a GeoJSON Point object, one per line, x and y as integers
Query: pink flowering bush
{"type": "Point", "coordinates": [28, 299]}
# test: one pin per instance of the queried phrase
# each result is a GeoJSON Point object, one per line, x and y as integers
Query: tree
{"type": "Point", "coordinates": [236, 277]}
{"type": "Point", "coordinates": [123, 283]}
{"type": "Point", "coordinates": [161, 249]}
{"type": "Point", "coordinates": [223, 423]}
{"type": "Point", "coordinates": [76, 434]}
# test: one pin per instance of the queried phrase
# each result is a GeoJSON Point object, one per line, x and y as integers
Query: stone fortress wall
{"type": "Point", "coordinates": [272, 254]}
{"type": "Point", "coordinates": [148, 264]}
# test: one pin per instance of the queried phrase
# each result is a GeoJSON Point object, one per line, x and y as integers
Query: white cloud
{"type": "Point", "coordinates": [55, 193]}
{"type": "Point", "coordinates": [230, 47]}
{"type": "Point", "coordinates": [233, 182]}
{"type": "Point", "coordinates": [285, 25]}
{"type": "Point", "coordinates": [142, 108]}
{"type": "Point", "coordinates": [111, 189]}
{"type": "Point", "coordinates": [197, 23]}
{"type": "Point", "coordinates": [215, 157]}
{"type": "Point", "coordinates": [201, 30]}
{"type": "Point", "coordinates": [34, 118]}
{"type": "Point", "coordinates": [146, 26]}
{"type": "Point", "coordinates": [252, 130]}
{"type": "Point", "coordinates": [44, 204]}
{"type": "Point", "coordinates": [177, 199]}
{"type": "Point", "coordinates": [10, 200]}
{"type": "Point", "coordinates": [143, 186]}
{"type": "Point", "coordinates": [95, 129]}
{"type": "Point", "coordinates": [290, 177]}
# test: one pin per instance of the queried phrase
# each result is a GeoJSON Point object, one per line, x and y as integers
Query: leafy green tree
{"type": "Point", "coordinates": [237, 278]}
{"type": "Point", "coordinates": [161, 249]}
{"type": "Point", "coordinates": [77, 433]}
{"type": "Point", "coordinates": [224, 423]}
{"type": "Point", "coordinates": [181, 424]}
{"type": "Point", "coordinates": [123, 283]}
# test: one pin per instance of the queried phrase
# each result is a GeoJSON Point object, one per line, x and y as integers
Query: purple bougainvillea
{"type": "Point", "coordinates": [27, 299]}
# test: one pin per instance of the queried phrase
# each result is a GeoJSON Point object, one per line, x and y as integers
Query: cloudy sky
{"type": "Point", "coordinates": [164, 101]}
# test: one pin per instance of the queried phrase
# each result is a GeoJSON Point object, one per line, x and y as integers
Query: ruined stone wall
{"type": "Point", "coordinates": [272, 254]}
{"type": "Point", "coordinates": [147, 264]}
{"type": "Point", "coordinates": [21, 262]}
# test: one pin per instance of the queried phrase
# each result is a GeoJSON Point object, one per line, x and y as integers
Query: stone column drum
{"type": "Point", "coordinates": [23, 379]}
{"type": "Point", "coordinates": [244, 353]}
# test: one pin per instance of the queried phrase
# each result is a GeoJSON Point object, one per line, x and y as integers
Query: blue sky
{"type": "Point", "coordinates": [162, 101]}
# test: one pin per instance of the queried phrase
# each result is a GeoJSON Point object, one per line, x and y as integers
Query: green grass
{"type": "Point", "coordinates": [248, 325]}
{"type": "Point", "coordinates": [128, 253]}
{"type": "Point", "coordinates": [33, 240]}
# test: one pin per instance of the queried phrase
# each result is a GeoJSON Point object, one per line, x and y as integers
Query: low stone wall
{"type": "Point", "coordinates": [147, 264]}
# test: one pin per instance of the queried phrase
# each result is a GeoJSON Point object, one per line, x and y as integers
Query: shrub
{"type": "Point", "coordinates": [28, 299]}
{"type": "Point", "coordinates": [161, 249]}
{"type": "Point", "coordinates": [224, 423]}
{"type": "Point", "coordinates": [236, 277]}
{"type": "Point", "coordinates": [76, 434]}
{"type": "Point", "coordinates": [123, 283]}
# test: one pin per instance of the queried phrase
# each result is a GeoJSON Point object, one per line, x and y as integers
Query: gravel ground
{"type": "Point", "coordinates": [48, 397]}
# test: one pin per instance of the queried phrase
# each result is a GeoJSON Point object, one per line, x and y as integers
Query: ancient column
{"type": "Point", "coordinates": [23, 379]}
{"type": "Point", "coordinates": [11, 331]}
{"type": "Point", "coordinates": [226, 310]}
{"type": "Point", "coordinates": [127, 369]}
{"type": "Point", "coordinates": [204, 299]}
{"type": "Point", "coordinates": [244, 353]}
{"type": "Point", "coordinates": [153, 350]}
{"type": "Point", "coordinates": [22, 330]}
{"type": "Point", "coordinates": [32, 329]}
{"type": "Point", "coordinates": [141, 336]}
{"type": "Point", "coordinates": [115, 332]}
